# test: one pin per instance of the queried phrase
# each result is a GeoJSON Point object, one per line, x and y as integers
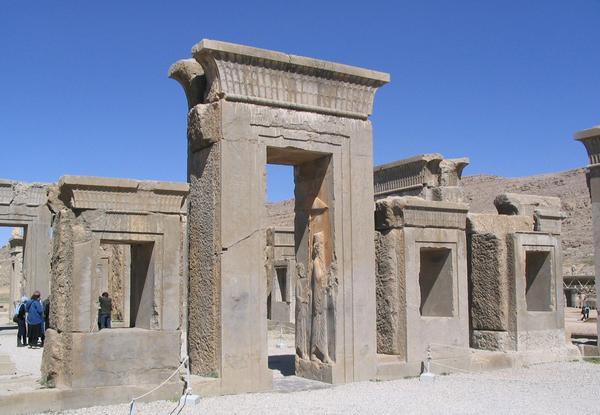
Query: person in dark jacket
{"type": "Point", "coordinates": [104, 312]}
{"type": "Point", "coordinates": [20, 317]}
{"type": "Point", "coordinates": [35, 319]}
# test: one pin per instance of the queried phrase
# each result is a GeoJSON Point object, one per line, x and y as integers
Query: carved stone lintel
{"type": "Point", "coordinates": [246, 74]}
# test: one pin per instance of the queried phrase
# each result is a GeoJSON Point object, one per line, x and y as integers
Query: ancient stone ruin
{"type": "Point", "coordinates": [380, 274]}
{"type": "Point", "coordinates": [591, 140]}
{"type": "Point", "coordinates": [149, 219]}
{"type": "Point", "coordinates": [26, 206]}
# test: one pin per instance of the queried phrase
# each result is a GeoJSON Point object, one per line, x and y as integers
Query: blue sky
{"type": "Point", "coordinates": [84, 87]}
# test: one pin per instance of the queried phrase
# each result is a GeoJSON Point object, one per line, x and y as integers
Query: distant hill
{"type": "Point", "coordinates": [480, 191]}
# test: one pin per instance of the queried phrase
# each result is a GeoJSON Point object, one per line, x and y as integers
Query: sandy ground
{"type": "Point", "coordinates": [549, 389]}
{"type": "Point", "coordinates": [577, 328]}
{"type": "Point", "coordinates": [541, 389]}
{"type": "Point", "coordinates": [27, 362]}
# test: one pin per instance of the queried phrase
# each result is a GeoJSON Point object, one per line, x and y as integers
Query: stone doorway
{"type": "Point", "coordinates": [313, 277]}
{"type": "Point", "coordinates": [248, 107]}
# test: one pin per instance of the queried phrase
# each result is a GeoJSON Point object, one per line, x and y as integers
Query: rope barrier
{"type": "Point", "coordinates": [132, 406]}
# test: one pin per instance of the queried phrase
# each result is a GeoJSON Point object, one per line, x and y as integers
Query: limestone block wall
{"type": "Point", "coordinates": [148, 218]}
{"type": "Point", "coordinates": [421, 271]}
{"type": "Point", "coordinates": [516, 301]}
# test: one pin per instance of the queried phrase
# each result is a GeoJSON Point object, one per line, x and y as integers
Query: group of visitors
{"type": "Point", "coordinates": [32, 316]}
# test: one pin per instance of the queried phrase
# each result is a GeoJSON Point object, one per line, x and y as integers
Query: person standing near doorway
{"type": "Point", "coordinates": [20, 320]}
{"type": "Point", "coordinates": [35, 319]}
{"type": "Point", "coordinates": [104, 312]}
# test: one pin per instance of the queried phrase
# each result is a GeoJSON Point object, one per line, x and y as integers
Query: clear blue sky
{"type": "Point", "coordinates": [84, 87]}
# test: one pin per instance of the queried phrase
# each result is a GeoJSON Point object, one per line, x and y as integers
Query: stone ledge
{"type": "Point", "coordinates": [398, 212]}
{"type": "Point", "coordinates": [123, 195]}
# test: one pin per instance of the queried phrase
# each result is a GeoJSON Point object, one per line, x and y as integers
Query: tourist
{"type": "Point", "coordinates": [19, 318]}
{"type": "Point", "coordinates": [586, 312]}
{"type": "Point", "coordinates": [105, 309]}
{"type": "Point", "coordinates": [35, 319]}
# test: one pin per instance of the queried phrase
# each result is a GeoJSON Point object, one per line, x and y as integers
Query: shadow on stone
{"type": "Point", "coordinates": [284, 363]}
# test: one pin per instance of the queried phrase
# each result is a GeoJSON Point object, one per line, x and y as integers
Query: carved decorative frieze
{"type": "Point", "coordinates": [246, 74]}
{"type": "Point", "coordinates": [122, 195]}
{"type": "Point", "coordinates": [17, 193]}
{"type": "Point", "coordinates": [591, 140]}
{"type": "Point", "coordinates": [410, 173]}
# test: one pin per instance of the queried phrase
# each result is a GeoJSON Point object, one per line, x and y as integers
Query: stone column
{"type": "Point", "coordinates": [591, 140]}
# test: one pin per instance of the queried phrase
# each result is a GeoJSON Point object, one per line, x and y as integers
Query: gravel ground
{"type": "Point", "coordinates": [548, 389]}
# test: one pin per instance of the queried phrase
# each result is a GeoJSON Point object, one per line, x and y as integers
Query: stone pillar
{"type": "Point", "coordinates": [16, 275]}
{"type": "Point", "coordinates": [591, 140]}
{"type": "Point", "coordinates": [249, 107]}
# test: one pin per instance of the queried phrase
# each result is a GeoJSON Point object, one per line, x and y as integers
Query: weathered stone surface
{"type": "Point", "coordinates": [421, 266]}
{"type": "Point", "coordinates": [590, 138]}
{"type": "Point", "coordinates": [397, 212]}
{"type": "Point", "coordinates": [278, 108]}
{"type": "Point", "coordinates": [263, 77]}
{"type": "Point", "coordinates": [489, 223]}
{"type": "Point", "coordinates": [149, 218]}
{"type": "Point", "coordinates": [391, 293]}
{"type": "Point", "coordinates": [25, 205]}
{"type": "Point", "coordinates": [428, 176]}
{"type": "Point", "coordinates": [525, 205]}
{"type": "Point", "coordinates": [516, 303]}
{"type": "Point", "coordinates": [190, 75]}
{"type": "Point", "coordinates": [123, 195]}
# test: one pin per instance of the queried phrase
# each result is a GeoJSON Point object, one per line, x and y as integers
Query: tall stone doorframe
{"type": "Point", "coordinates": [26, 205]}
{"type": "Point", "coordinates": [249, 107]}
{"type": "Point", "coordinates": [590, 138]}
{"type": "Point", "coordinates": [149, 218]}
{"type": "Point", "coordinates": [15, 243]}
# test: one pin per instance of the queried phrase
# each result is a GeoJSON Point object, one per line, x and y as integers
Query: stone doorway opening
{"type": "Point", "coordinates": [125, 272]}
{"type": "Point", "coordinates": [12, 284]}
{"type": "Point", "coordinates": [294, 293]}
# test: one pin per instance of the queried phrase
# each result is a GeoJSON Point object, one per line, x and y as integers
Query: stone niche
{"type": "Point", "coordinates": [421, 272]}
{"type": "Point", "coordinates": [26, 206]}
{"type": "Point", "coordinates": [248, 107]}
{"type": "Point", "coordinates": [516, 286]}
{"type": "Point", "coordinates": [429, 176]}
{"type": "Point", "coordinates": [147, 220]}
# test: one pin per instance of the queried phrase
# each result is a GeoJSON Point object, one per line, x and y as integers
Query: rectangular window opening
{"type": "Point", "coordinates": [538, 277]}
{"type": "Point", "coordinates": [126, 274]}
{"type": "Point", "coordinates": [435, 281]}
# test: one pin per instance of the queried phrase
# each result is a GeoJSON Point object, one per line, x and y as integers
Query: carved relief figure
{"type": "Point", "coordinates": [319, 350]}
{"type": "Point", "coordinates": [302, 311]}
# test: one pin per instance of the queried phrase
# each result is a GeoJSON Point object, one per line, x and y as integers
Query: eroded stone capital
{"type": "Point", "coordinates": [591, 140]}
{"type": "Point", "coordinates": [190, 75]}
